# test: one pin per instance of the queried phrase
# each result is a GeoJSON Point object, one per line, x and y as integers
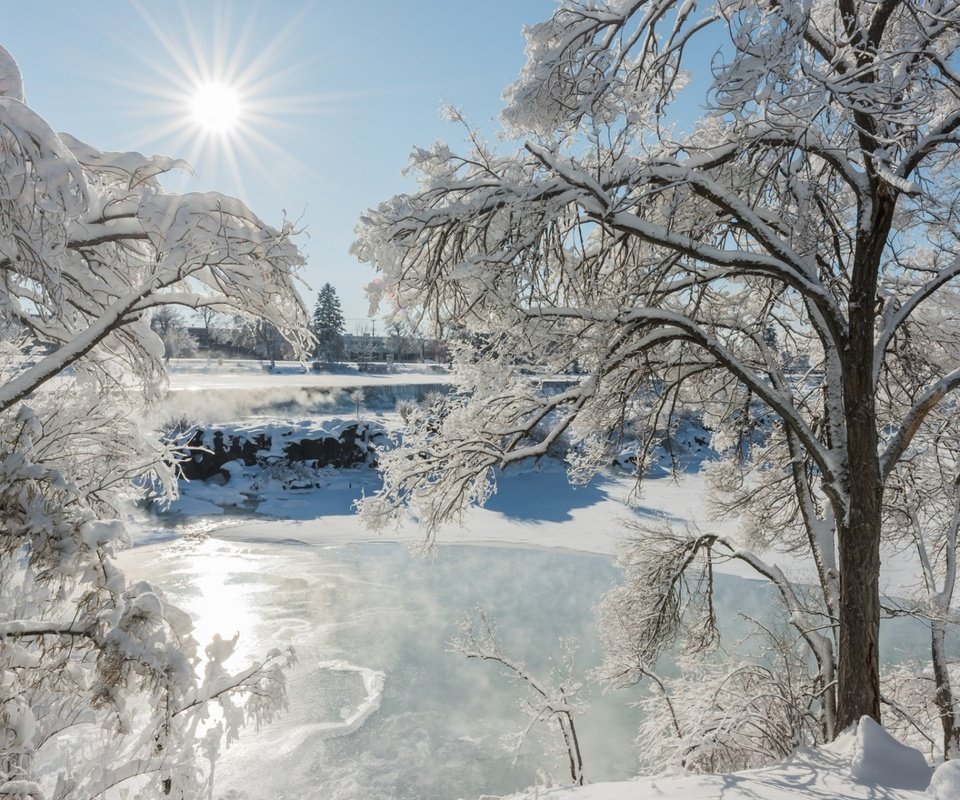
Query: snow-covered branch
{"type": "Point", "coordinates": [929, 399]}
{"type": "Point", "coordinates": [554, 700]}
{"type": "Point", "coordinates": [89, 242]}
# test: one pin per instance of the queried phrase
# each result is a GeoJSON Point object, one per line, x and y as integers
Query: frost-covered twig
{"type": "Point", "coordinates": [547, 700]}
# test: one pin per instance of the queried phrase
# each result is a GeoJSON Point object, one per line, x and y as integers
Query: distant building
{"type": "Point", "coordinates": [231, 342]}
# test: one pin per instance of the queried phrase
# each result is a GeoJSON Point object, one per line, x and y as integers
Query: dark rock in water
{"type": "Point", "coordinates": [220, 449]}
{"type": "Point", "coordinates": [344, 451]}
{"type": "Point", "coordinates": [353, 446]}
{"type": "Point", "coordinates": [347, 445]}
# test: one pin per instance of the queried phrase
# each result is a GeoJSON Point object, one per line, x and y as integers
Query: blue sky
{"type": "Point", "coordinates": [337, 94]}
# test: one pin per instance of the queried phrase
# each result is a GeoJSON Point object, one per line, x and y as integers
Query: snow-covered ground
{"type": "Point", "coordinates": [534, 507]}
{"type": "Point", "coordinates": [862, 764]}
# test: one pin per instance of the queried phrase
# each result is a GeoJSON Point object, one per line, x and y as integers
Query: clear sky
{"type": "Point", "coordinates": [332, 96]}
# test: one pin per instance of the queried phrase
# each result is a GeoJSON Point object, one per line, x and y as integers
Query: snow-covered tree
{"type": "Point", "coordinates": [777, 252]}
{"type": "Point", "coordinates": [103, 686]}
{"type": "Point", "coordinates": [168, 323]}
{"type": "Point", "coordinates": [268, 342]}
{"type": "Point", "coordinates": [259, 338]}
{"type": "Point", "coordinates": [215, 327]}
{"type": "Point", "coordinates": [328, 325]}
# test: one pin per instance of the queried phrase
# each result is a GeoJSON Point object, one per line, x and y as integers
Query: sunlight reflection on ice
{"type": "Point", "coordinates": [371, 625]}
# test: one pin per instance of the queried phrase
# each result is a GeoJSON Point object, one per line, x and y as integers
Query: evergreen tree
{"type": "Point", "coordinates": [328, 325]}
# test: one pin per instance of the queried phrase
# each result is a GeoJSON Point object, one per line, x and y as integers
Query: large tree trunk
{"type": "Point", "coordinates": [858, 532]}
{"type": "Point", "coordinates": [858, 665]}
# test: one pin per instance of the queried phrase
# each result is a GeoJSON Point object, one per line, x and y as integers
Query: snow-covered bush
{"type": "Point", "coordinates": [714, 711]}
{"type": "Point", "coordinates": [913, 711]}
{"type": "Point", "coordinates": [723, 713]}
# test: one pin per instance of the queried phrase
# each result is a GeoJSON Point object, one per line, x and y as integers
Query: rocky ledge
{"type": "Point", "coordinates": [333, 443]}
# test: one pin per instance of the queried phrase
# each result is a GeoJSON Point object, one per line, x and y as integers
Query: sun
{"type": "Point", "coordinates": [219, 91]}
{"type": "Point", "coordinates": [216, 108]}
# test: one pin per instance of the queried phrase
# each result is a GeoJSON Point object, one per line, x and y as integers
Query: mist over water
{"type": "Point", "coordinates": [443, 721]}
{"type": "Point", "coordinates": [227, 404]}
{"type": "Point", "coordinates": [442, 726]}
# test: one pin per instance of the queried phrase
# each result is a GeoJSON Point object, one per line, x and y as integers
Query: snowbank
{"type": "Point", "coordinates": [945, 783]}
{"type": "Point", "coordinates": [534, 506]}
{"type": "Point", "coordinates": [862, 764]}
{"type": "Point", "coordinates": [880, 760]}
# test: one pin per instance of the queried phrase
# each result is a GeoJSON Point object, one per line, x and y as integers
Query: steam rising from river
{"type": "Point", "coordinates": [371, 625]}
{"type": "Point", "coordinates": [212, 405]}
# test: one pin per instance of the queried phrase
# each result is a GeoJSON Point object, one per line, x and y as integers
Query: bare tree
{"type": "Point", "coordinates": [168, 323]}
{"type": "Point", "coordinates": [215, 330]}
{"type": "Point", "coordinates": [269, 342]}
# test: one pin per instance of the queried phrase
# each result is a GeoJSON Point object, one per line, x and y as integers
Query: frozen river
{"type": "Point", "coordinates": [362, 616]}
{"type": "Point", "coordinates": [379, 707]}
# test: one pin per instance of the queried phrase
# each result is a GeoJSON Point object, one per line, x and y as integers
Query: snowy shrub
{"type": "Point", "coordinates": [554, 700]}
{"type": "Point", "coordinates": [714, 712]}
{"type": "Point", "coordinates": [726, 714]}
{"type": "Point", "coordinates": [913, 713]}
